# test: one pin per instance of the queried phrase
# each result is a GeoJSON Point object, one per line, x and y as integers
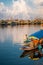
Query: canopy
{"type": "Point", "coordinates": [33, 37]}
{"type": "Point", "coordinates": [38, 34]}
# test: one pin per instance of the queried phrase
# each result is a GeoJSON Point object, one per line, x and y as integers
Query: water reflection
{"type": "Point", "coordinates": [9, 49]}
{"type": "Point", "coordinates": [33, 54]}
{"type": "Point", "coordinates": [17, 33]}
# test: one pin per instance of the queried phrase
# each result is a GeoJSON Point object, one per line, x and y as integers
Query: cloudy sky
{"type": "Point", "coordinates": [21, 9]}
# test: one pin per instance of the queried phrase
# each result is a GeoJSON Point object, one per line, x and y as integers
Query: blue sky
{"type": "Point", "coordinates": [22, 9]}
{"type": "Point", "coordinates": [6, 2]}
{"type": "Point", "coordinates": [9, 2]}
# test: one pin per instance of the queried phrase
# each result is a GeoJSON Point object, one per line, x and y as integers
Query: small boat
{"type": "Point", "coordinates": [27, 48]}
{"type": "Point", "coordinates": [33, 41]}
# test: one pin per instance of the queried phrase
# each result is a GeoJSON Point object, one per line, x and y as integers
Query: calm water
{"type": "Point", "coordinates": [11, 40]}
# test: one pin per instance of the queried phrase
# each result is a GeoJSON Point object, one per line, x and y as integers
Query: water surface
{"type": "Point", "coordinates": [11, 40]}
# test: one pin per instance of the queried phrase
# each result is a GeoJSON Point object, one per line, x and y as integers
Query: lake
{"type": "Point", "coordinates": [11, 40]}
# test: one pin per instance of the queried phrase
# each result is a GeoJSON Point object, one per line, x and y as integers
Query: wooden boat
{"type": "Point", "coordinates": [27, 48]}
{"type": "Point", "coordinates": [30, 48]}
{"type": "Point", "coordinates": [30, 45]}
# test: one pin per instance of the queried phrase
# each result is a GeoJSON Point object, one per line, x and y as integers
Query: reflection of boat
{"type": "Point", "coordinates": [26, 53]}
{"type": "Point", "coordinates": [33, 54]}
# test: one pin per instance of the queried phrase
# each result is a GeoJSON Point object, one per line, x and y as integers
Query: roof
{"type": "Point", "coordinates": [38, 34]}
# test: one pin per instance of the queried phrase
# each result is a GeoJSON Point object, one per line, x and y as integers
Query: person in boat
{"type": "Point", "coordinates": [35, 42]}
{"type": "Point", "coordinates": [40, 45]}
{"type": "Point", "coordinates": [26, 36]}
{"type": "Point", "coordinates": [41, 41]}
{"type": "Point", "coordinates": [27, 40]}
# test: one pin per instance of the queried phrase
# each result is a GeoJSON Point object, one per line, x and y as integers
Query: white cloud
{"type": "Point", "coordinates": [38, 10]}
{"type": "Point", "coordinates": [4, 11]}
{"type": "Point", "coordinates": [20, 6]}
{"type": "Point", "coordinates": [38, 1]}
{"type": "Point", "coordinates": [20, 9]}
{"type": "Point", "coordinates": [16, 8]}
